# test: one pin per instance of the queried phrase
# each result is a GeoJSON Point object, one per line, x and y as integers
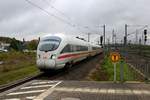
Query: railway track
{"type": "Point", "coordinates": [18, 82]}
{"type": "Point", "coordinates": [51, 77]}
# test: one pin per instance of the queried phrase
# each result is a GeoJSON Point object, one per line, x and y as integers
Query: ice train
{"type": "Point", "coordinates": [61, 51]}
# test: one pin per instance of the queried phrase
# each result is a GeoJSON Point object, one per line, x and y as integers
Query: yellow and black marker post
{"type": "Point", "coordinates": [115, 57]}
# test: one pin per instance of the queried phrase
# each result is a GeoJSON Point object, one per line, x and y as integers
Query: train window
{"type": "Point", "coordinates": [81, 48]}
{"type": "Point", "coordinates": [74, 48]}
{"type": "Point", "coordinates": [51, 38]}
{"type": "Point", "coordinates": [66, 49]}
{"type": "Point", "coordinates": [84, 48]}
{"type": "Point", "coordinates": [78, 48]}
{"type": "Point", "coordinates": [49, 43]}
{"type": "Point", "coordinates": [48, 46]}
{"type": "Point", "coordinates": [95, 48]}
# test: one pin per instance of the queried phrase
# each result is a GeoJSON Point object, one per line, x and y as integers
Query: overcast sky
{"type": "Point", "coordinates": [20, 19]}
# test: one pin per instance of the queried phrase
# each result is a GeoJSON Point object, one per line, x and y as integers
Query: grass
{"type": "Point", "coordinates": [17, 65]}
{"type": "Point", "coordinates": [105, 72]}
{"type": "Point", "coordinates": [10, 76]}
{"type": "Point", "coordinates": [109, 69]}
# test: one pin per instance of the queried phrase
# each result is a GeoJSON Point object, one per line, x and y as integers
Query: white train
{"type": "Point", "coordinates": [61, 51]}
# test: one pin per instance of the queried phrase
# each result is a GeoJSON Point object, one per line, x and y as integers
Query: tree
{"type": "Point", "coordinates": [16, 45]}
{"type": "Point", "coordinates": [32, 45]}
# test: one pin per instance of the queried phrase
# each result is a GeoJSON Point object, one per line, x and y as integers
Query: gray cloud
{"type": "Point", "coordinates": [20, 19]}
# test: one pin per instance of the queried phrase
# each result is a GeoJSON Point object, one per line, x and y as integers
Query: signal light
{"type": "Point", "coordinates": [145, 33]}
{"type": "Point", "coordinates": [101, 39]}
{"type": "Point", "coordinates": [145, 38]}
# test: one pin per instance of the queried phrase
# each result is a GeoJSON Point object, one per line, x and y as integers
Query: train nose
{"type": "Point", "coordinates": [46, 64]}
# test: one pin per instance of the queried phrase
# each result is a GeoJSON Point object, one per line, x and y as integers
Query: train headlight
{"type": "Point", "coordinates": [53, 56]}
{"type": "Point", "coordinates": [38, 56]}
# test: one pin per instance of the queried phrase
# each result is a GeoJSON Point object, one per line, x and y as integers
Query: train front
{"type": "Point", "coordinates": [47, 52]}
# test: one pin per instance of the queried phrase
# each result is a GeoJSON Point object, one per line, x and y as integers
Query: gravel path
{"type": "Point", "coordinates": [81, 70]}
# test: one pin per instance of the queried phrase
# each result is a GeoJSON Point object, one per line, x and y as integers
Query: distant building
{"type": "Point", "coordinates": [4, 45]}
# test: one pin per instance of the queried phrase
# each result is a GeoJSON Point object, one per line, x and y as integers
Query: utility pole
{"type": "Point", "coordinates": [142, 42]}
{"type": "Point", "coordinates": [126, 33]}
{"type": "Point", "coordinates": [108, 41]}
{"type": "Point", "coordinates": [108, 44]}
{"type": "Point", "coordinates": [113, 36]}
{"type": "Point", "coordinates": [88, 37]}
{"type": "Point", "coordinates": [136, 37]}
{"type": "Point", "coordinates": [101, 40]}
{"type": "Point", "coordinates": [23, 45]}
{"type": "Point", "coordinates": [104, 35]}
{"type": "Point", "coordinates": [98, 42]}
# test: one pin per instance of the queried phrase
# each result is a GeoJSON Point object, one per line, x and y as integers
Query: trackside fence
{"type": "Point", "coordinates": [136, 61]}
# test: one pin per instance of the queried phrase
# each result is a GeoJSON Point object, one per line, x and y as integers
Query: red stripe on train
{"type": "Point", "coordinates": [67, 56]}
{"type": "Point", "coordinates": [71, 55]}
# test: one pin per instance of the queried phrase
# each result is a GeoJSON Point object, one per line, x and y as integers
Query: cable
{"type": "Point", "coordinates": [137, 30]}
{"type": "Point", "coordinates": [63, 14]}
{"type": "Point", "coordinates": [136, 25]}
{"type": "Point", "coordinates": [62, 20]}
{"type": "Point", "coordinates": [49, 3]}
{"type": "Point", "coordinates": [148, 28]}
{"type": "Point", "coordinates": [48, 13]}
{"type": "Point", "coordinates": [66, 16]}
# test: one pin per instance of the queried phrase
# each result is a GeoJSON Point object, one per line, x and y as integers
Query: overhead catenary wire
{"type": "Point", "coordinates": [57, 10]}
{"type": "Point", "coordinates": [68, 18]}
{"type": "Point", "coordinates": [136, 25]}
{"type": "Point", "coordinates": [62, 13]}
{"type": "Point", "coordinates": [50, 14]}
{"type": "Point", "coordinates": [148, 28]}
{"type": "Point", "coordinates": [69, 22]}
{"type": "Point", "coordinates": [138, 30]}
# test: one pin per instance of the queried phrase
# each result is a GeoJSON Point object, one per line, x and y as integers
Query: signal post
{"type": "Point", "coordinates": [115, 57]}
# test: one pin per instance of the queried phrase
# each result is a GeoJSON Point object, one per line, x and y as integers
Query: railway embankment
{"type": "Point", "coordinates": [17, 65]}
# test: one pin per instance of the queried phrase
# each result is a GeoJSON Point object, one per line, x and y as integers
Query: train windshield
{"type": "Point", "coordinates": [49, 44]}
